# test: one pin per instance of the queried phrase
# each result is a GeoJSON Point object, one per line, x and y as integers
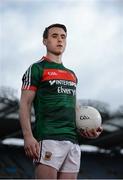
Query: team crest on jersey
{"type": "Point", "coordinates": [48, 155]}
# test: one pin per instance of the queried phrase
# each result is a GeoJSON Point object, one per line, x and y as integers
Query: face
{"type": "Point", "coordinates": [56, 41]}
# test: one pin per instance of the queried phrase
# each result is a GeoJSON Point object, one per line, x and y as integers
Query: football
{"type": "Point", "coordinates": [88, 117]}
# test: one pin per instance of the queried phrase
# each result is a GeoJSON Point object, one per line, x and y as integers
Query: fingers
{"type": "Point", "coordinates": [37, 146]}
{"type": "Point", "coordinates": [99, 129]}
{"type": "Point", "coordinates": [32, 151]}
{"type": "Point", "coordinates": [91, 133]}
{"type": "Point", "coordinates": [28, 152]}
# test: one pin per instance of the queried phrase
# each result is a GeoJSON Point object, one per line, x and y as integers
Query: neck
{"type": "Point", "coordinates": [54, 58]}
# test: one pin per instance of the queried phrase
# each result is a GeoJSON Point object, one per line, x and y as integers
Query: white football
{"type": "Point", "coordinates": [88, 117]}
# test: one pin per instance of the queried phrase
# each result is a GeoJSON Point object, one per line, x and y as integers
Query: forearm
{"type": "Point", "coordinates": [25, 118]}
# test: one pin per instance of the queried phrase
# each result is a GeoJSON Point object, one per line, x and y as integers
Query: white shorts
{"type": "Point", "coordinates": [62, 155]}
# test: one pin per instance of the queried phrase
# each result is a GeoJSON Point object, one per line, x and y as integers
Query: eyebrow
{"type": "Point", "coordinates": [58, 34]}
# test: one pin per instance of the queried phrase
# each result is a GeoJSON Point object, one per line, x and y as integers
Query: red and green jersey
{"type": "Point", "coordinates": [55, 100]}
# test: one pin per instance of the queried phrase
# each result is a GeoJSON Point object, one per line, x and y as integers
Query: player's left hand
{"type": "Point", "coordinates": [91, 133]}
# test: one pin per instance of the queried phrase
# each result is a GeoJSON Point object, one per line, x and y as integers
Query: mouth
{"type": "Point", "coordinates": [59, 46]}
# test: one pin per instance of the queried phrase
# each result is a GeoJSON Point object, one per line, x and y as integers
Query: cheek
{"type": "Point", "coordinates": [50, 45]}
{"type": "Point", "coordinates": [65, 45]}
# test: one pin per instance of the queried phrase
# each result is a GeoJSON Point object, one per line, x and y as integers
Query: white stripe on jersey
{"type": "Point", "coordinates": [27, 76]}
{"type": "Point", "coordinates": [27, 79]}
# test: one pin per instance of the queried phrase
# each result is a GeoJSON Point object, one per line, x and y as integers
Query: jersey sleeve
{"type": "Point", "coordinates": [31, 78]}
{"type": "Point", "coordinates": [74, 76]}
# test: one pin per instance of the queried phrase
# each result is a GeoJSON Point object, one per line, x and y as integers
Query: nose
{"type": "Point", "coordinates": [59, 38]}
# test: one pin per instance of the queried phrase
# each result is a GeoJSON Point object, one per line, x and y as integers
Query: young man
{"type": "Point", "coordinates": [51, 88]}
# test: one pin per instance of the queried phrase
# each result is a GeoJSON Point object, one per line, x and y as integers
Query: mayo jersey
{"type": "Point", "coordinates": [55, 100]}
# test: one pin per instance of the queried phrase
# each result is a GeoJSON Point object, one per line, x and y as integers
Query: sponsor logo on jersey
{"type": "Point", "coordinates": [52, 82]}
{"type": "Point", "coordinates": [64, 80]}
{"type": "Point", "coordinates": [66, 90]}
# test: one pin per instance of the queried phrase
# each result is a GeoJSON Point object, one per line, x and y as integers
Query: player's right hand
{"type": "Point", "coordinates": [92, 133]}
{"type": "Point", "coordinates": [31, 147]}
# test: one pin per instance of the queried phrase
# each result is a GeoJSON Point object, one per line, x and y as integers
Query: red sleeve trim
{"type": "Point", "coordinates": [33, 88]}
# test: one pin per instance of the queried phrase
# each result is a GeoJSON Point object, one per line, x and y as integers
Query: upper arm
{"type": "Point", "coordinates": [30, 83]}
{"type": "Point", "coordinates": [27, 97]}
{"type": "Point", "coordinates": [32, 77]}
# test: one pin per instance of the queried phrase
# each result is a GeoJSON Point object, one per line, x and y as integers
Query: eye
{"type": "Point", "coordinates": [63, 37]}
{"type": "Point", "coordinates": [54, 35]}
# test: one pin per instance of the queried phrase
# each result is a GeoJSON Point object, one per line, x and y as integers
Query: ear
{"type": "Point", "coordinates": [45, 42]}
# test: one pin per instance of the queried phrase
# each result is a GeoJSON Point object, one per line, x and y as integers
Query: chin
{"type": "Point", "coordinates": [57, 53]}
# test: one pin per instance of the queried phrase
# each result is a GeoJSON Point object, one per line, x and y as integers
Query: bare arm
{"type": "Point", "coordinates": [31, 145]}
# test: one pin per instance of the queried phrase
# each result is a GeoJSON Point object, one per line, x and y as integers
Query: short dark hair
{"type": "Point", "coordinates": [45, 33]}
